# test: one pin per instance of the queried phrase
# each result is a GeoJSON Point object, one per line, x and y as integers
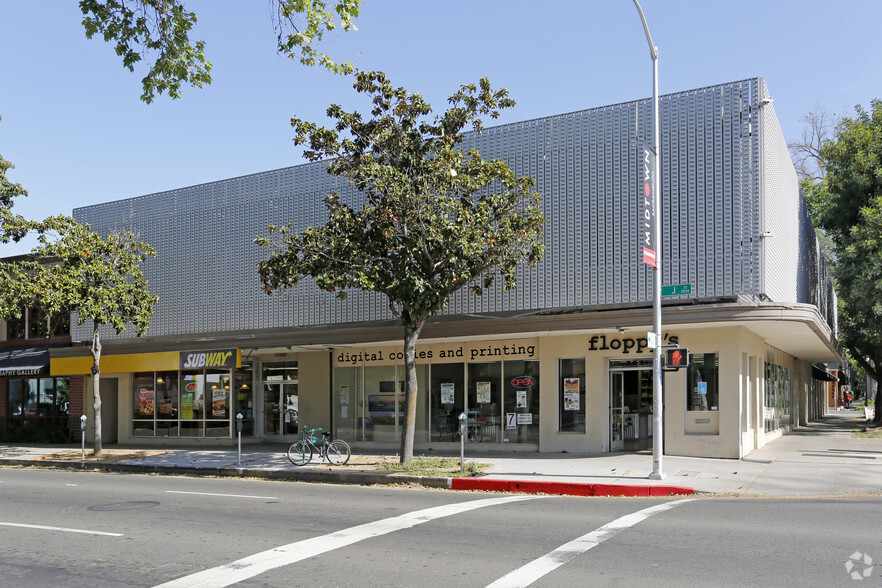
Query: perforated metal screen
{"type": "Point", "coordinates": [717, 185]}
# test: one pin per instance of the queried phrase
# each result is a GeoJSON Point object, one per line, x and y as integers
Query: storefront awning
{"type": "Point", "coordinates": [24, 361]}
{"type": "Point", "coordinates": [823, 375]}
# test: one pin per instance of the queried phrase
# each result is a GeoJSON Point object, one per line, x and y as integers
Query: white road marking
{"type": "Point", "coordinates": [529, 573]}
{"type": "Point", "coordinates": [228, 495]}
{"type": "Point", "coordinates": [65, 529]}
{"type": "Point", "coordinates": [258, 563]}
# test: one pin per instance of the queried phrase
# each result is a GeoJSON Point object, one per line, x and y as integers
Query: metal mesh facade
{"type": "Point", "coordinates": [720, 178]}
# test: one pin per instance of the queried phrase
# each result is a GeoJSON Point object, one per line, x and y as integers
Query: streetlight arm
{"type": "Point", "coordinates": [653, 50]}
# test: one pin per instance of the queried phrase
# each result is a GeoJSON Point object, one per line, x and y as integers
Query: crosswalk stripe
{"type": "Point", "coordinates": [65, 529]}
{"type": "Point", "coordinates": [529, 573]}
{"type": "Point", "coordinates": [256, 564]}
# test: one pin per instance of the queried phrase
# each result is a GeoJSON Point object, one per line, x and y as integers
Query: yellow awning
{"type": "Point", "coordinates": [115, 364]}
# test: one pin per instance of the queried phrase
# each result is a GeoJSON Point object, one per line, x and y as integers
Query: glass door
{"type": "Point", "coordinates": [290, 410]}
{"type": "Point", "coordinates": [616, 411]}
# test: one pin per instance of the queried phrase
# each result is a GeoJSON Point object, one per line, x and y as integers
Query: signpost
{"type": "Point", "coordinates": [651, 170]}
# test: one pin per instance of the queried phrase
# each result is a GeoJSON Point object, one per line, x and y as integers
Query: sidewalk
{"type": "Point", "coordinates": [821, 459]}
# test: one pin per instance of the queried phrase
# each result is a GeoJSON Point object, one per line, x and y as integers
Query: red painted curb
{"type": "Point", "coordinates": [565, 488]}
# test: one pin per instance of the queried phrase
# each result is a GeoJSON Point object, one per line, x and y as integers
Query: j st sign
{"type": "Point", "coordinates": [224, 359]}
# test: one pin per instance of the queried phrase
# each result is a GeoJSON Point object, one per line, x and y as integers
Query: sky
{"type": "Point", "coordinates": [78, 134]}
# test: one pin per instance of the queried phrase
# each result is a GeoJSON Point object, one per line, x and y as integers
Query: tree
{"type": "Point", "coordinates": [848, 206]}
{"type": "Point", "coordinates": [159, 31]}
{"type": "Point", "coordinates": [77, 270]}
{"type": "Point", "coordinates": [435, 217]}
{"type": "Point", "coordinates": [811, 168]}
{"type": "Point", "coordinates": [12, 227]}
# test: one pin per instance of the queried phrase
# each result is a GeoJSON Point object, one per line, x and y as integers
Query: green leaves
{"type": "Point", "coordinates": [76, 270]}
{"type": "Point", "coordinates": [435, 217]}
{"type": "Point", "coordinates": [847, 204]}
{"type": "Point", "coordinates": [8, 190]}
{"type": "Point", "coordinates": [155, 29]}
{"type": "Point", "coordinates": [301, 24]}
{"type": "Point", "coordinates": [158, 31]}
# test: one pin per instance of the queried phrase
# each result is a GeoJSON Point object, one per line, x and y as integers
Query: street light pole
{"type": "Point", "coordinates": [657, 401]}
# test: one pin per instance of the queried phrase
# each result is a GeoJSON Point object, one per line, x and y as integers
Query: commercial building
{"type": "Point", "coordinates": [35, 405]}
{"type": "Point", "coordinates": [560, 363]}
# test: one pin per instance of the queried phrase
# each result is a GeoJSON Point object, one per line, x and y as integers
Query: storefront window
{"type": "Point", "coordinates": [42, 401]}
{"type": "Point", "coordinates": [369, 403]}
{"type": "Point", "coordinates": [167, 390]}
{"type": "Point", "coordinates": [702, 382]}
{"type": "Point", "coordinates": [385, 401]}
{"type": "Point", "coordinates": [62, 396]}
{"type": "Point", "coordinates": [776, 412]}
{"type": "Point", "coordinates": [521, 402]}
{"type": "Point", "coordinates": [192, 403]}
{"type": "Point", "coordinates": [142, 405]}
{"type": "Point", "coordinates": [447, 397]}
{"type": "Point", "coordinates": [485, 398]}
{"type": "Point", "coordinates": [571, 395]}
{"type": "Point", "coordinates": [30, 397]}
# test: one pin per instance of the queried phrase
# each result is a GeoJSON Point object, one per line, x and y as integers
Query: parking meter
{"type": "Point", "coordinates": [463, 419]}
{"type": "Point", "coordinates": [83, 431]}
{"type": "Point", "coordinates": [239, 434]}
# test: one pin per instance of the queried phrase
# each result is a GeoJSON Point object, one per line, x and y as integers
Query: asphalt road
{"type": "Point", "coordinates": [91, 529]}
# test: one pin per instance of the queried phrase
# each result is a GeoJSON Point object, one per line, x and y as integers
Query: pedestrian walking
{"type": "Point", "coordinates": [848, 401]}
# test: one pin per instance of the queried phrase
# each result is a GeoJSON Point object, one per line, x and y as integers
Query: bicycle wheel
{"type": "Point", "coordinates": [300, 453]}
{"type": "Point", "coordinates": [338, 452]}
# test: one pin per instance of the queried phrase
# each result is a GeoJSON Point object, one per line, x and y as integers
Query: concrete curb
{"type": "Point", "coordinates": [365, 478]}
{"type": "Point", "coordinates": [305, 475]}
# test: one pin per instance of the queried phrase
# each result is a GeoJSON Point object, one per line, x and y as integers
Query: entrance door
{"type": "Point", "coordinates": [630, 404]}
{"type": "Point", "coordinates": [281, 409]}
{"type": "Point", "coordinates": [616, 411]}
{"type": "Point", "coordinates": [109, 403]}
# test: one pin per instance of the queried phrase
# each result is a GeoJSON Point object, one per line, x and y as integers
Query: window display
{"type": "Point", "coordinates": [38, 401]}
{"type": "Point", "coordinates": [571, 405]}
{"type": "Point", "coordinates": [702, 382]}
{"type": "Point", "coordinates": [190, 403]}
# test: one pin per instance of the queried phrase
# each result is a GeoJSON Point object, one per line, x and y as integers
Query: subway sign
{"type": "Point", "coordinates": [224, 359]}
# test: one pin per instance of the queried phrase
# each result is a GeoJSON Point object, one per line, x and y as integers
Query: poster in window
{"type": "Point", "coordinates": [344, 395]}
{"type": "Point", "coordinates": [522, 399]}
{"type": "Point", "coordinates": [483, 392]}
{"type": "Point", "coordinates": [571, 393]}
{"type": "Point", "coordinates": [382, 408]}
{"type": "Point", "coordinates": [145, 401]}
{"type": "Point", "coordinates": [218, 402]}
{"type": "Point", "coordinates": [447, 390]}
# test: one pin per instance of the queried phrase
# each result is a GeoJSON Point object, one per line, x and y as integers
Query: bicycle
{"type": "Point", "coordinates": [336, 451]}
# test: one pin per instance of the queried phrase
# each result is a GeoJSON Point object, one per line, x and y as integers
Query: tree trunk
{"type": "Point", "coordinates": [877, 414]}
{"type": "Point", "coordinates": [96, 387]}
{"type": "Point", "coordinates": [411, 334]}
{"type": "Point", "coordinates": [869, 366]}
